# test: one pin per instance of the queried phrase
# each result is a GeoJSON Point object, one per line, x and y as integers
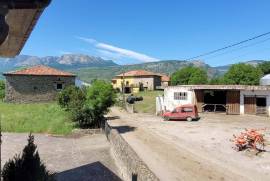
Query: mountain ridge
{"type": "Point", "coordinates": [64, 61]}
{"type": "Point", "coordinates": [89, 67]}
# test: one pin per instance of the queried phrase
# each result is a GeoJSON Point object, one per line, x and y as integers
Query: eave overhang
{"type": "Point", "coordinates": [20, 16]}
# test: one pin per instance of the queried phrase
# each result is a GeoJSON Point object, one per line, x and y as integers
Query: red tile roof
{"type": "Point", "coordinates": [165, 78]}
{"type": "Point", "coordinates": [40, 70]}
{"type": "Point", "coordinates": [137, 73]}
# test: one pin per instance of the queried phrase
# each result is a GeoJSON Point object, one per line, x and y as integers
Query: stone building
{"type": "Point", "coordinates": [165, 80]}
{"type": "Point", "coordinates": [36, 84]}
{"type": "Point", "coordinates": [137, 80]}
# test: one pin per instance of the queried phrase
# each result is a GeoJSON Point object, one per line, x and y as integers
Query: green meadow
{"type": "Point", "coordinates": [35, 117]}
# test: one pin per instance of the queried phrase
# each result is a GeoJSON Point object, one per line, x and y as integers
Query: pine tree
{"type": "Point", "coordinates": [28, 166]}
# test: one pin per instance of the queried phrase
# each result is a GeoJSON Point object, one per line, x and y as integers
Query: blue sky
{"type": "Point", "coordinates": [129, 31]}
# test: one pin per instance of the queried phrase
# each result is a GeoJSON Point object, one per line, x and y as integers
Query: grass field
{"type": "Point", "coordinates": [37, 118]}
{"type": "Point", "coordinates": [148, 105]}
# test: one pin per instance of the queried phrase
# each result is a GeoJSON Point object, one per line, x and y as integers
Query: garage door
{"type": "Point", "coordinates": [233, 102]}
{"type": "Point", "coordinates": [250, 105]}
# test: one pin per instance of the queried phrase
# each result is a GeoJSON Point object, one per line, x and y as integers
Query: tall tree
{"type": "Point", "coordinates": [265, 67]}
{"type": "Point", "coordinates": [189, 75]}
{"type": "Point", "coordinates": [243, 74]}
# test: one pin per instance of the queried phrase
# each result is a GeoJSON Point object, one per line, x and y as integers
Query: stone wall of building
{"type": "Point", "coordinates": [149, 82]}
{"type": "Point", "coordinates": [25, 88]}
{"type": "Point", "coordinates": [131, 165]}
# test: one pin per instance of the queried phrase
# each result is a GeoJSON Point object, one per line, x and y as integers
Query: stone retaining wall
{"type": "Point", "coordinates": [132, 167]}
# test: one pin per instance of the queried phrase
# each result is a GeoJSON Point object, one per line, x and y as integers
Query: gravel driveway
{"type": "Point", "coordinates": [80, 158]}
{"type": "Point", "coordinates": [198, 150]}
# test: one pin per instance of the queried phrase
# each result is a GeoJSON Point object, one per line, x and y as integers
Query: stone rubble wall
{"type": "Point", "coordinates": [131, 165]}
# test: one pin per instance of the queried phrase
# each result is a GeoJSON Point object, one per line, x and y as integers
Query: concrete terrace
{"type": "Point", "coordinates": [79, 158]}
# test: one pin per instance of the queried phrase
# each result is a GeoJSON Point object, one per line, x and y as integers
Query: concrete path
{"type": "Point", "coordinates": [81, 158]}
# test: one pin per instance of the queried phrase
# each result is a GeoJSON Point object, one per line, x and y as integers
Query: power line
{"type": "Point", "coordinates": [229, 46]}
{"type": "Point", "coordinates": [240, 48]}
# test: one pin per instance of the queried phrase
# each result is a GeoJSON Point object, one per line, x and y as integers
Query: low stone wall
{"type": "Point", "coordinates": [88, 131]}
{"type": "Point", "coordinates": [132, 167]}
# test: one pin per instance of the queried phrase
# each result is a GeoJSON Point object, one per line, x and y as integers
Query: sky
{"type": "Point", "coordinates": [128, 31]}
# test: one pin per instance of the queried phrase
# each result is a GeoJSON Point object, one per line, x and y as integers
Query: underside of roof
{"type": "Point", "coordinates": [21, 16]}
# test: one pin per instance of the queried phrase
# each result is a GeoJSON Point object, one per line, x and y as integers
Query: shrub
{"type": "Point", "coordinates": [88, 106]}
{"type": "Point", "coordinates": [99, 97]}
{"type": "Point", "coordinates": [2, 89]}
{"type": "Point", "coordinates": [71, 97]}
{"type": "Point", "coordinates": [27, 167]}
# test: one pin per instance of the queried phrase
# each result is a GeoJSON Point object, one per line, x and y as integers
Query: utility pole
{"type": "Point", "coordinates": [123, 87]}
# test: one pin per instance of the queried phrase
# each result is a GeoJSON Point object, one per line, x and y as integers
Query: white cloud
{"type": "Point", "coordinates": [109, 54]}
{"type": "Point", "coordinates": [87, 40]}
{"type": "Point", "coordinates": [126, 53]}
{"type": "Point", "coordinates": [117, 52]}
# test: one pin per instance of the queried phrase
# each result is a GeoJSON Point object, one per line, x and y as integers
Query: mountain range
{"type": "Point", "coordinates": [89, 67]}
{"type": "Point", "coordinates": [68, 61]}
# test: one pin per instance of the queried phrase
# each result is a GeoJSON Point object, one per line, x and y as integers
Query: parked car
{"type": "Point", "coordinates": [187, 112]}
{"type": "Point", "coordinates": [131, 99]}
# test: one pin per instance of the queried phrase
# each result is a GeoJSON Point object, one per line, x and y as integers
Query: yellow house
{"type": "Point", "coordinates": [136, 80]}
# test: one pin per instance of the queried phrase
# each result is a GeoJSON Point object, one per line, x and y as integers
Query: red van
{"type": "Point", "coordinates": [187, 112]}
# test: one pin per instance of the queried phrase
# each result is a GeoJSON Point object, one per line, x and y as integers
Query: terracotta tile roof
{"type": "Point", "coordinates": [40, 70]}
{"type": "Point", "coordinates": [137, 73]}
{"type": "Point", "coordinates": [165, 78]}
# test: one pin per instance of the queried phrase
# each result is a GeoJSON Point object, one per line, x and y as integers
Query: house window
{"type": "Point", "coordinates": [180, 96]}
{"type": "Point", "coordinates": [59, 86]}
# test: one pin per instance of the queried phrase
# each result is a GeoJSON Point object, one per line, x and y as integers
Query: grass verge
{"type": "Point", "coordinates": [148, 105]}
{"type": "Point", "coordinates": [36, 117]}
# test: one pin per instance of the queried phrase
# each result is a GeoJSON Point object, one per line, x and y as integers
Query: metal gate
{"type": "Point", "coordinates": [233, 102]}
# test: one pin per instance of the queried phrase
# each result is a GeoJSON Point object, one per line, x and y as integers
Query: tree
{"type": "Point", "coordinates": [265, 67]}
{"type": "Point", "coordinates": [189, 75]}
{"type": "Point", "coordinates": [27, 167]}
{"type": "Point", "coordinates": [216, 80]}
{"type": "Point", "coordinates": [243, 74]}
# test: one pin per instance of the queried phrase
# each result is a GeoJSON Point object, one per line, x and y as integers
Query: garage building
{"type": "Point", "coordinates": [230, 99]}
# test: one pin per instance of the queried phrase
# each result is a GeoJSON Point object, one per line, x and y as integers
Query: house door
{"type": "Point", "coordinates": [250, 105]}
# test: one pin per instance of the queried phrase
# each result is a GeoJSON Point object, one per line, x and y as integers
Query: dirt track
{"type": "Point", "coordinates": [195, 150]}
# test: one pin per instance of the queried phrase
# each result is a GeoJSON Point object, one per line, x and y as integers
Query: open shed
{"type": "Point", "coordinates": [229, 99]}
